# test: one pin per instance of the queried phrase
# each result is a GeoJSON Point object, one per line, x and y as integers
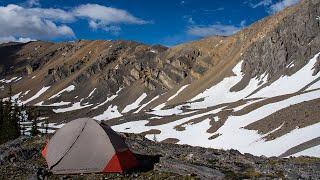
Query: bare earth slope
{"type": "Point", "coordinates": [256, 91]}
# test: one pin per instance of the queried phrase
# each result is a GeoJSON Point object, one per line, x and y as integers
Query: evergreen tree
{"type": "Point", "coordinates": [23, 117]}
{"type": "Point", "coordinates": [1, 122]}
{"type": "Point", "coordinates": [1, 114]}
{"type": "Point", "coordinates": [9, 128]}
{"type": "Point", "coordinates": [46, 127]}
{"type": "Point", "coordinates": [34, 127]}
{"type": "Point", "coordinates": [10, 93]}
{"type": "Point", "coordinates": [15, 119]}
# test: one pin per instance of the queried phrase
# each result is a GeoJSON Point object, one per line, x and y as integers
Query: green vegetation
{"type": "Point", "coordinates": [11, 115]}
{"type": "Point", "coordinates": [9, 119]}
{"type": "Point", "coordinates": [34, 127]}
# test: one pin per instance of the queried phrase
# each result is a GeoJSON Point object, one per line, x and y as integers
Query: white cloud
{"type": "Point", "coordinates": [17, 21]}
{"type": "Point", "coordinates": [215, 29]}
{"type": "Point", "coordinates": [243, 23]}
{"type": "Point", "coordinates": [115, 30]}
{"type": "Point", "coordinates": [52, 14]}
{"type": "Point", "coordinates": [281, 5]}
{"type": "Point", "coordinates": [13, 39]}
{"type": "Point", "coordinates": [50, 23]}
{"type": "Point", "coordinates": [102, 16]}
{"type": "Point", "coordinates": [261, 3]}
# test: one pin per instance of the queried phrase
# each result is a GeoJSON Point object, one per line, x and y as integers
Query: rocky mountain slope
{"type": "Point", "coordinates": [256, 91]}
{"type": "Point", "coordinates": [21, 159]}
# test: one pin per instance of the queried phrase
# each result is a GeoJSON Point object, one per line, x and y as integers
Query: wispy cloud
{"type": "Point", "coordinates": [214, 29]}
{"type": "Point", "coordinates": [189, 19]}
{"type": "Point", "coordinates": [195, 31]}
{"type": "Point", "coordinates": [281, 5]}
{"type": "Point", "coordinates": [13, 39]}
{"type": "Point", "coordinates": [106, 15]}
{"type": "Point", "coordinates": [272, 6]}
{"type": "Point", "coordinates": [261, 3]}
{"type": "Point", "coordinates": [208, 11]}
{"type": "Point", "coordinates": [49, 23]}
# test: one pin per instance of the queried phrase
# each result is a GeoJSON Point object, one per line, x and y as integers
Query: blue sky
{"type": "Point", "coordinates": [167, 22]}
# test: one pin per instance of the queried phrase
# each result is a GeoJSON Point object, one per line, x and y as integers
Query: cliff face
{"type": "Point", "coordinates": [293, 40]}
{"type": "Point", "coordinates": [260, 84]}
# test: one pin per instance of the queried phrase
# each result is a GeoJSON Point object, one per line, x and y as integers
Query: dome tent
{"type": "Point", "coordinates": [84, 146]}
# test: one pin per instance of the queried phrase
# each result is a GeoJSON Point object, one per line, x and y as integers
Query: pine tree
{"type": "Point", "coordinates": [15, 119]}
{"type": "Point", "coordinates": [1, 113]}
{"type": "Point", "coordinates": [10, 93]}
{"type": "Point", "coordinates": [46, 127]}
{"type": "Point", "coordinates": [1, 122]}
{"type": "Point", "coordinates": [23, 130]}
{"type": "Point", "coordinates": [7, 118]}
{"type": "Point", "coordinates": [9, 122]}
{"type": "Point", "coordinates": [34, 127]}
{"type": "Point", "coordinates": [23, 118]}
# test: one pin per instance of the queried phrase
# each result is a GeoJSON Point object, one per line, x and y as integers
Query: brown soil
{"type": "Point", "coordinates": [298, 115]}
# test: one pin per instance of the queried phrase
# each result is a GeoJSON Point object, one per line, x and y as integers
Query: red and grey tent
{"type": "Point", "coordinates": [84, 146]}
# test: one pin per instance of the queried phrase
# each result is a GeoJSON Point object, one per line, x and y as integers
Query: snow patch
{"type": "Point", "coordinates": [62, 103]}
{"type": "Point", "coordinates": [313, 151]}
{"type": "Point", "coordinates": [144, 105]}
{"type": "Point", "coordinates": [297, 81]}
{"type": "Point", "coordinates": [220, 93]}
{"type": "Point", "coordinates": [75, 106]}
{"type": "Point", "coordinates": [91, 93]}
{"type": "Point", "coordinates": [39, 93]}
{"type": "Point", "coordinates": [168, 130]}
{"type": "Point", "coordinates": [67, 89]}
{"type": "Point", "coordinates": [111, 112]}
{"type": "Point", "coordinates": [9, 80]}
{"type": "Point", "coordinates": [135, 104]}
{"type": "Point", "coordinates": [178, 92]}
{"type": "Point", "coordinates": [109, 99]}
{"type": "Point", "coordinates": [250, 139]}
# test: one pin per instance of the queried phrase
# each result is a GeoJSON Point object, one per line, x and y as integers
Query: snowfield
{"type": "Point", "coordinates": [313, 151]}
{"type": "Point", "coordinates": [297, 81]}
{"type": "Point", "coordinates": [220, 93]}
{"type": "Point", "coordinates": [248, 141]}
{"type": "Point", "coordinates": [231, 135]}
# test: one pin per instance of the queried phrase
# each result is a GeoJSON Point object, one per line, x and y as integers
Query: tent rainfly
{"type": "Point", "coordinates": [84, 146]}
